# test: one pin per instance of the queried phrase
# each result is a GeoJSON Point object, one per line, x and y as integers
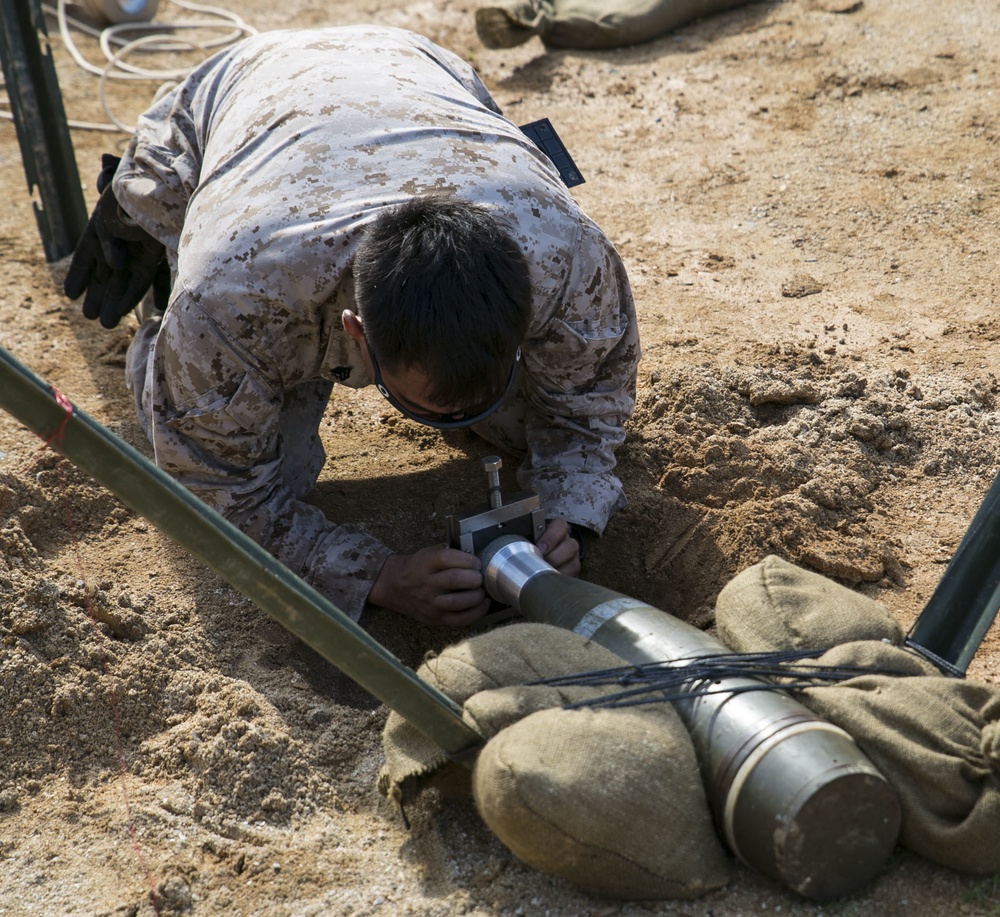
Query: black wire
{"type": "Point", "coordinates": [700, 676]}
{"type": "Point", "coordinates": [948, 668]}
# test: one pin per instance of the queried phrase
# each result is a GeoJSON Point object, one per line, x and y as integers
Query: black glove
{"type": "Point", "coordinates": [116, 261]}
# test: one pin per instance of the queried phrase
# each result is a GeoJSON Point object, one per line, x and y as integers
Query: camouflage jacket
{"type": "Point", "coordinates": [259, 172]}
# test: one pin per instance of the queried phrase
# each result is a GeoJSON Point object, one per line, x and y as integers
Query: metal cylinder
{"type": "Point", "coordinates": [793, 795]}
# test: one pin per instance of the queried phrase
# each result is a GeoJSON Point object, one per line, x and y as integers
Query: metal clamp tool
{"type": "Point", "coordinates": [520, 515]}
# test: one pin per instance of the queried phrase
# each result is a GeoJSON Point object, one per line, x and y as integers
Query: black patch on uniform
{"type": "Point", "coordinates": [543, 135]}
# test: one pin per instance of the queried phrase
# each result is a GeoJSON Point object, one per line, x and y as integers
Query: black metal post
{"type": "Point", "coordinates": [42, 129]}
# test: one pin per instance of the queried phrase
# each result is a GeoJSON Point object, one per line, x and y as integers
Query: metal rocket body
{"type": "Point", "coordinates": [793, 795]}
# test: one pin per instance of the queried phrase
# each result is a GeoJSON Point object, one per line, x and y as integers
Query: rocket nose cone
{"type": "Point", "coordinates": [829, 839]}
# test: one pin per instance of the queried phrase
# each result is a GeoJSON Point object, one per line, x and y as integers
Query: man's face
{"type": "Point", "coordinates": [408, 390]}
{"type": "Point", "coordinates": [417, 403]}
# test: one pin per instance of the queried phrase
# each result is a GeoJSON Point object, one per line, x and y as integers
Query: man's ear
{"type": "Point", "coordinates": [353, 325]}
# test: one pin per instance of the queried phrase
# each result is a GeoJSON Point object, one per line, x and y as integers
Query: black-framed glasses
{"type": "Point", "coordinates": [452, 421]}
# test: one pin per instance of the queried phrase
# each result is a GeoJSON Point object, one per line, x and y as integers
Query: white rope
{"type": "Point", "coordinates": [156, 38]}
{"type": "Point", "coordinates": [115, 59]}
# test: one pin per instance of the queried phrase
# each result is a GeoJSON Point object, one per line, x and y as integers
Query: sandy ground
{"type": "Point", "coordinates": [806, 195]}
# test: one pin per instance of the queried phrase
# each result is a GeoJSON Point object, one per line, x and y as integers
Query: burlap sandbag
{"type": "Point", "coordinates": [589, 23]}
{"type": "Point", "coordinates": [618, 805]}
{"type": "Point", "coordinates": [936, 740]}
{"type": "Point", "coordinates": [775, 605]}
{"type": "Point", "coordinates": [609, 799]}
{"type": "Point", "coordinates": [506, 656]}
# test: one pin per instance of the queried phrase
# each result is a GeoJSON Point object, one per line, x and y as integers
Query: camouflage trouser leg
{"type": "Point", "coordinates": [301, 412]}
{"type": "Point", "coordinates": [140, 350]}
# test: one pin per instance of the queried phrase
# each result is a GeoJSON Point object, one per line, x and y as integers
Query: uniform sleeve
{"type": "Point", "coordinates": [161, 166]}
{"type": "Point", "coordinates": [219, 425]}
{"type": "Point", "coordinates": [581, 367]}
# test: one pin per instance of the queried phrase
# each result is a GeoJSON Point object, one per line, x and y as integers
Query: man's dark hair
{"type": "Point", "coordinates": [443, 288]}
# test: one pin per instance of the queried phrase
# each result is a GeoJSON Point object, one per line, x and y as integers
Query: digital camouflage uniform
{"type": "Point", "coordinates": [259, 174]}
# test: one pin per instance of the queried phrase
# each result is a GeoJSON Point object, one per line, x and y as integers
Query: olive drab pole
{"type": "Point", "coordinates": [961, 609]}
{"type": "Point", "coordinates": [246, 566]}
{"type": "Point", "coordinates": [42, 130]}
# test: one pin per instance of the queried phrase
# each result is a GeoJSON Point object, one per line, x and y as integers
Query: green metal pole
{"type": "Point", "coordinates": [246, 566]}
{"type": "Point", "coordinates": [42, 130]}
{"type": "Point", "coordinates": [965, 603]}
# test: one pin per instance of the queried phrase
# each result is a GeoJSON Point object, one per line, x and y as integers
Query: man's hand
{"type": "Point", "coordinates": [440, 586]}
{"type": "Point", "coordinates": [116, 261]}
{"type": "Point", "coordinates": [561, 547]}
